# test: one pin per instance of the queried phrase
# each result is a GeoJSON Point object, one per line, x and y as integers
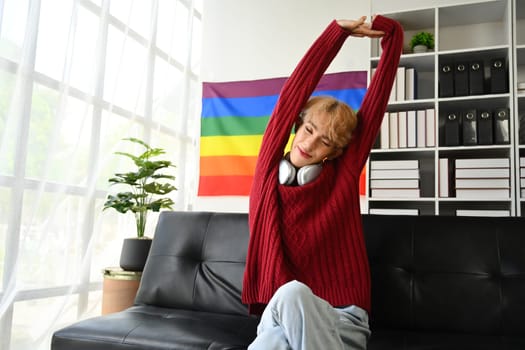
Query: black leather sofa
{"type": "Point", "coordinates": [438, 282]}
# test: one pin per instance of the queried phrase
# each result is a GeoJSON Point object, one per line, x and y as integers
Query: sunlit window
{"type": "Point", "coordinates": [76, 77]}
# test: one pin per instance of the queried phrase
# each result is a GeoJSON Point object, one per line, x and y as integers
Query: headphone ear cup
{"type": "Point", "coordinates": [308, 173]}
{"type": "Point", "coordinates": [286, 172]}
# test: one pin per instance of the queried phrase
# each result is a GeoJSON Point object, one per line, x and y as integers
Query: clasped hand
{"type": "Point", "coordinates": [360, 28]}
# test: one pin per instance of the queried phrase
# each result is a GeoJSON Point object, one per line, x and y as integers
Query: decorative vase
{"type": "Point", "coordinates": [419, 49]}
{"type": "Point", "coordinates": [134, 253]}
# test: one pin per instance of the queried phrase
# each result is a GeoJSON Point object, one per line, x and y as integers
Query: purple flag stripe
{"type": "Point", "coordinates": [269, 87]}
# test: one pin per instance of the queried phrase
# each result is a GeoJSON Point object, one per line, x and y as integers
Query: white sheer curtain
{"type": "Point", "coordinates": [77, 76]}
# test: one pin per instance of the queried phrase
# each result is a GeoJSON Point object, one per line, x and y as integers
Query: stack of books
{"type": "Point", "coordinates": [394, 179]}
{"type": "Point", "coordinates": [522, 177]}
{"type": "Point", "coordinates": [482, 178]}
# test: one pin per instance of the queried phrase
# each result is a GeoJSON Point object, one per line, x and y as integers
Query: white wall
{"type": "Point", "coordinates": [254, 39]}
{"type": "Point", "coordinates": [263, 39]}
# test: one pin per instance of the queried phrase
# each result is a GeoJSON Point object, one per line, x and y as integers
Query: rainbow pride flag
{"type": "Point", "coordinates": [234, 117]}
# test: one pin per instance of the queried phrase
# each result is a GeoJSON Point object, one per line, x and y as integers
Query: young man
{"type": "Point", "coordinates": [307, 266]}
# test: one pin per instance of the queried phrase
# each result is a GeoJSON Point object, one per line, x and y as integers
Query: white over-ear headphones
{"type": "Point", "coordinates": [288, 174]}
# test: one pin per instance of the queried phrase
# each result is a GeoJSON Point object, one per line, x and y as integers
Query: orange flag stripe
{"type": "Point", "coordinates": [225, 185]}
{"type": "Point", "coordinates": [227, 165]}
{"type": "Point", "coordinates": [220, 168]}
{"type": "Point", "coordinates": [362, 182]}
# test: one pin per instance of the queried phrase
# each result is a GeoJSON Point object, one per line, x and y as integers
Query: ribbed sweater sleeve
{"type": "Point", "coordinates": [313, 233]}
{"type": "Point", "coordinates": [373, 106]}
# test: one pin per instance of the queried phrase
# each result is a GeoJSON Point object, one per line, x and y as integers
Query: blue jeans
{"type": "Point", "coordinates": [297, 319]}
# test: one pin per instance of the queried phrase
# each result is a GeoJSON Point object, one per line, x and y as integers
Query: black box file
{"type": "Point", "coordinates": [446, 80]}
{"type": "Point", "coordinates": [452, 130]}
{"type": "Point", "coordinates": [461, 79]}
{"type": "Point", "coordinates": [501, 126]}
{"type": "Point", "coordinates": [476, 78]}
{"type": "Point", "coordinates": [498, 76]}
{"type": "Point", "coordinates": [485, 128]}
{"type": "Point", "coordinates": [469, 127]}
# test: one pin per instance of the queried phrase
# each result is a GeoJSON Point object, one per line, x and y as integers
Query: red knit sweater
{"type": "Point", "coordinates": [313, 233]}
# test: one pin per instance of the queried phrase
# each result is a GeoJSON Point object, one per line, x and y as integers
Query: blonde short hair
{"type": "Point", "coordinates": [343, 120]}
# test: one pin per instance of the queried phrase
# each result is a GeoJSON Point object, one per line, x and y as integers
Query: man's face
{"type": "Point", "coordinates": [311, 143]}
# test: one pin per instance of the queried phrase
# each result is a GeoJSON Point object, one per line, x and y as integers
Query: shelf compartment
{"type": "Point", "coordinates": [426, 169]}
{"type": "Point", "coordinates": [412, 22]}
{"type": "Point", "coordinates": [423, 65]}
{"type": "Point", "coordinates": [424, 207]}
{"type": "Point", "coordinates": [449, 206]}
{"type": "Point", "coordinates": [484, 81]}
{"type": "Point", "coordinates": [487, 131]}
{"type": "Point", "coordinates": [474, 25]}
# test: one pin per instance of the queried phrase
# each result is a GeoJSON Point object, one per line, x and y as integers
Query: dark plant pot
{"type": "Point", "coordinates": [134, 253]}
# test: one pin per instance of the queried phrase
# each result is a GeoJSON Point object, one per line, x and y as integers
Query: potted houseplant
{"type": "Point", "coordinates": [421, 42]}
{"type": "Point", "coordinates": [147, 186]}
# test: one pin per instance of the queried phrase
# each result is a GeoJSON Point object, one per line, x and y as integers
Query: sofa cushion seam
{"type": "Point", "coordinates": [201, 258]}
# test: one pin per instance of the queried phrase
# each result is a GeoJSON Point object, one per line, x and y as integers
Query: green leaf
{"type": "Point", "coordinates": [158, 188]}
{"type": "Point", "coordinates": [133, 139]}
{"type": "Point", "coordinates": [127, 155]}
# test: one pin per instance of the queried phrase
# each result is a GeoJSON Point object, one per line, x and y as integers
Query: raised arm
{"type": "Point", "coordinates": [374, 104]}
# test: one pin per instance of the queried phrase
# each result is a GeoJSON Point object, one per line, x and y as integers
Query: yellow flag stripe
{"type": "Point", "coordinates": [246, 145]}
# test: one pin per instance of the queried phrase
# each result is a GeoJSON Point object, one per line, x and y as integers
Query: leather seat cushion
{"type": "Point", "coordinates": [141, 327]}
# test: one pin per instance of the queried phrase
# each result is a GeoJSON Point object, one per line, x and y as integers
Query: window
{"type": "Point", "coordinates": [77, 76]}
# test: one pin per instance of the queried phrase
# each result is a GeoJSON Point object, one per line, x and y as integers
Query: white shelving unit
{"type": "Point", "coordinates": [518, 42]}
{"type": "Point", "coordinates": [483, 32]}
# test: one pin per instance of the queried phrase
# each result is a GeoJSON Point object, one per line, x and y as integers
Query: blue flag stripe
{"type": "Point", "coordinates": [263, 105]}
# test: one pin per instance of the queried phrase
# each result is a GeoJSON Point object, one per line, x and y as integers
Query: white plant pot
{"type": "Point", "coordinates": [420, 49]}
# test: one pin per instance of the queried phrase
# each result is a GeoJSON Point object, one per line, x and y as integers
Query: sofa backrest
{"type": "Point", "coordinates": [196, 262]}
{"type": "Point", "coordinates": [428, 272]}
{"type": "Point", "coordinates": [447, 273]}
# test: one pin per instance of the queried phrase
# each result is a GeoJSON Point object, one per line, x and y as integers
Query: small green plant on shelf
{"type": "Point", "coordinates": [145, 190]}
{"type": "Point", "coordinates": [425, 39]}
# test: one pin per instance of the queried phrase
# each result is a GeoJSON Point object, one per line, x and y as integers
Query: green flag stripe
{"type": "Point", "coordinates": [233, 126]}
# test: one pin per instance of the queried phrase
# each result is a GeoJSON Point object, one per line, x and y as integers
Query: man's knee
{"type": "Point", "coordinates": [293, 292]}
